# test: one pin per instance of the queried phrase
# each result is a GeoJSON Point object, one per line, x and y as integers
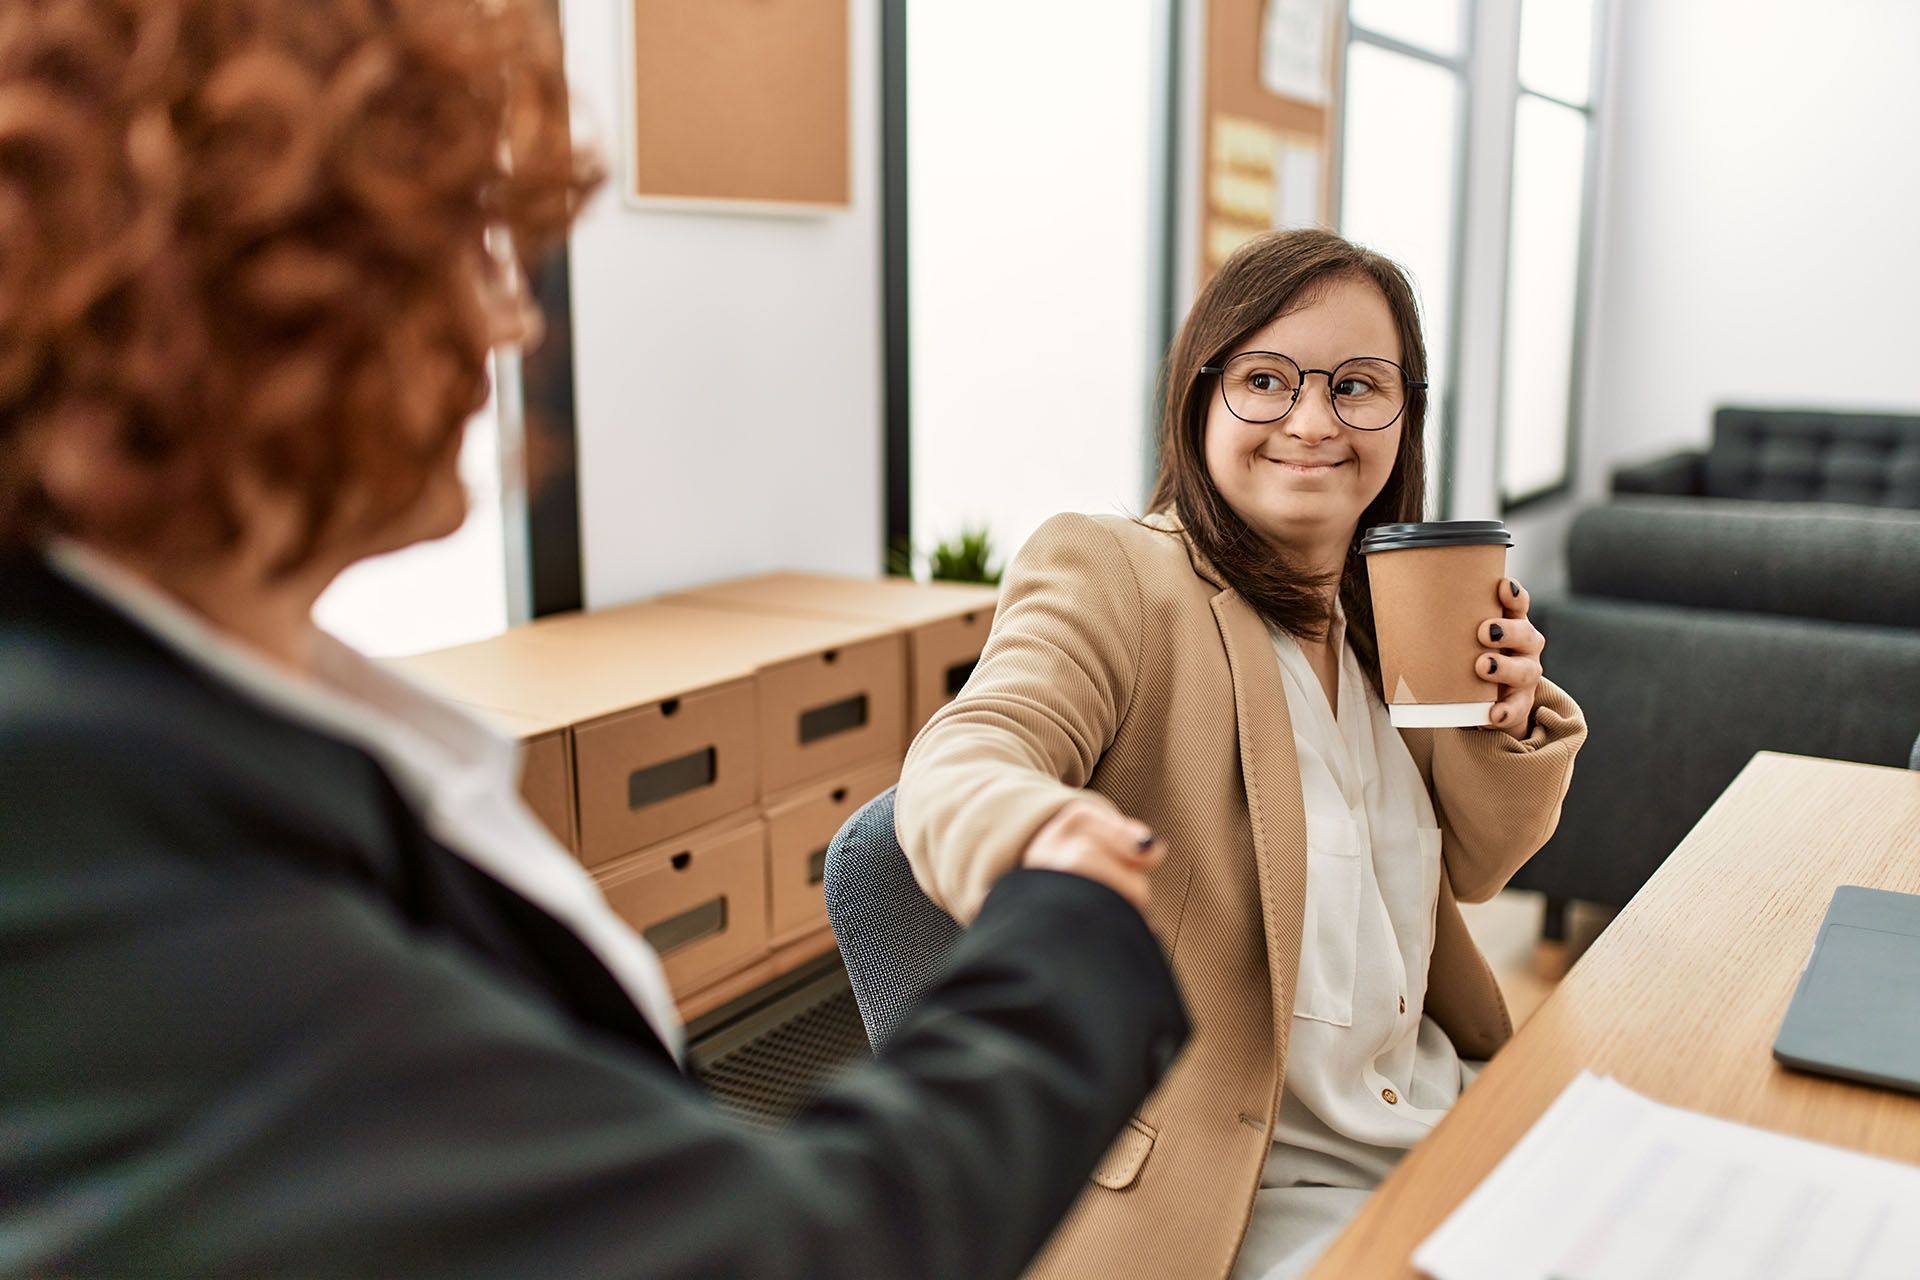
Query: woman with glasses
{"type": "Point", "coordinates": [1211, 670]}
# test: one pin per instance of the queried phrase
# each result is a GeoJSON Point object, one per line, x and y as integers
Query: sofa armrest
{"type": "Point", "coordinates": [1678, 475]}
{"type": "Point", "coordinates": [1832, 563]}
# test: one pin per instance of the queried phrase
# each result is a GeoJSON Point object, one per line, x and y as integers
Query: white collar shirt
{"type": "Point", "coordinates": [1367, 1075]}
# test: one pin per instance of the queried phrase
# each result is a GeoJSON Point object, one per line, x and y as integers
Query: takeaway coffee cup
{"type": "Point", "coordinates": [1433, 585]}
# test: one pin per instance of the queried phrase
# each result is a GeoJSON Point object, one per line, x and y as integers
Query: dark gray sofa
{"type": "Point", "coordinates": [1696, 632]}
{"type": "Point", "coordinates": [1788, 455]}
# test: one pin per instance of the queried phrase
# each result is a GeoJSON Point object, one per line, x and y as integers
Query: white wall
{"type": "Point", "coordinates": [1758, 223]}
{"type": "Point", "coordinates": [1034, 259]}
{"type": "Point", "coordinates": [727, 367]}
{"type": "Point", "coordinates": [433, 594]}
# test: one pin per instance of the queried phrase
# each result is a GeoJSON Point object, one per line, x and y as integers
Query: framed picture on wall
{"type": "Point", "coordinates": [738, 105]}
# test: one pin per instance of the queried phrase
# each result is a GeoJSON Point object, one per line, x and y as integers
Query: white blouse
{"type": "Point", "coordinates": [1367, 1074]}
{"type": "Point", "coordinates": [460, 776]}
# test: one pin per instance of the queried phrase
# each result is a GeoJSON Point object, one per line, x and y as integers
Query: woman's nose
{"type": "Point", "coordinates": [1312, 419]}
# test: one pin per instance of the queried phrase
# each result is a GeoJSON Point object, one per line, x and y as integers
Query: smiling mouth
{"type": "Point", "coordinates": [1305, 468]}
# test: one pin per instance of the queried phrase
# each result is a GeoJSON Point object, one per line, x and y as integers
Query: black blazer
{"type": "Point", "coordinates": [255, 1020]}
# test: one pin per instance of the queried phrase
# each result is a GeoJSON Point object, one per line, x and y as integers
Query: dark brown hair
{"type": "Point", "coordinates": [1264, 279]}
{"type": "Point", "coordinates": [242, 235]}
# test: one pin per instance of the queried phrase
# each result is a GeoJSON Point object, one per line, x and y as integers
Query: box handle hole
{"type": "Point", "coordinates": [675, 932]}
{"type": "Point", "coordinates": [681, 861]}
{"type": "Point", "coordinates": [671, 778]}
{"type": "Point", "coordinates": [834, 718]}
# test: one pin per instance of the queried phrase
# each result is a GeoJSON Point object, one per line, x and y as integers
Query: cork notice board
{"type": "Point", "coordinates": [740, 102]}
{"type": "Point", "coordinates": [1272, 82]}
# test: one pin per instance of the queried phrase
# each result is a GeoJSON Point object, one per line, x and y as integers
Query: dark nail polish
{"type": "Point", "coordinates": [1514, 587]}
{"type": "Point", "coordinates": [1493, 665]}
{"type": "Point", "coordinates": [1495, 631]}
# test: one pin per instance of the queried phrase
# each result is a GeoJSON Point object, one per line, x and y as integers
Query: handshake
{"type": "Point", "coordinates": [1089, 839]}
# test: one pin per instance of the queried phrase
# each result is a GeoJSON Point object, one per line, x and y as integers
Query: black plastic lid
{"type": "Point", "coordinates": [1436, 533]}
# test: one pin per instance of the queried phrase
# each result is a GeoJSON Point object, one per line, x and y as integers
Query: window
{"type": "Point", "coordinates": [1552, 127]}
{"type": "Point", "coordinates": [1486, 106]}
{"type": "Point", "coordinates": [1402, 165]}
{"type": "Point", "coordinates": [1034, 255]}
{"type": "Point", "coordinates": [1433, 26]}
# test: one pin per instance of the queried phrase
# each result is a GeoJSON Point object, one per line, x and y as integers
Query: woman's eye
{"type": "Point", "coordinates": [1265, 383]}
{"type": "Point", "coordinates": [1352, 388]}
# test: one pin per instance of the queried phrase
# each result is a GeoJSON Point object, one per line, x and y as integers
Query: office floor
{"type": "Point", "coordinates": [1508, 931]}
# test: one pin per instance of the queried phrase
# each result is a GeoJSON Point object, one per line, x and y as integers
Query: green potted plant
{"type": "Point", "coordinates": [965, 557]}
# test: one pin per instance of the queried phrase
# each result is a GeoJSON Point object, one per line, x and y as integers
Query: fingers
{"type": "Point", "coordinates": [1515, 666]}
{"type": "Point", "coordinates": [1088, 838]}
{"type": "Point", "coordinates": [1512, 712]}
{"type": "Point", "coordinates": [1507, 669]}
{"type": "Point", "coordinates": [1513, 597]}
{"type": "Point", "coordinates": [1512, 635]}
{"type": "Point", "coordinates": [1111, 833]}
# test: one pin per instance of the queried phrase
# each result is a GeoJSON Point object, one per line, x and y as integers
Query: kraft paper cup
{"type": "Point", "coordinates": [1433, 585]}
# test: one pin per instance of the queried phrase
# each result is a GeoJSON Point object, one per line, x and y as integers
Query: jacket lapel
{"type": "Point", "coordinates": [317, 801]}
{"type": "Point", "coordinates": [1270, 769]}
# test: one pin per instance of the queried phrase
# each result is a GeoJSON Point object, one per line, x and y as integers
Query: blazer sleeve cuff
{"type": "Point", "coordinates": [997, 828]}
{"type": "Point", "coordinates": [1501, 795]}
{"type": "Point", "coordinates": [1557, 721]}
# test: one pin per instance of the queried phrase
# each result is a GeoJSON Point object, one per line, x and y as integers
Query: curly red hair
{"type": "Point", "coordinates": [242, 234]}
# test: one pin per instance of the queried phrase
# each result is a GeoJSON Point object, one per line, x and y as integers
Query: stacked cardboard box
{"type": "Point", "coordinates": [697, 754]}
{"type": "Point", "coordinates": [946, 624]}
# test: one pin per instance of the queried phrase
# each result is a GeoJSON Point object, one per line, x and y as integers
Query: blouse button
{"type": "Point", "coordinates": [1403, 1004]}
{"type": "Point", "coordinates": [1390, 1096]}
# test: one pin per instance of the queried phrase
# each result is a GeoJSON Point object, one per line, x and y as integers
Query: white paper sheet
{"type": "Point", "coordinates": [1610, 1185]}
{"type": "Point", "coordinates": [1295, 43]}
{"type": "Point", "coordinates": [1297, 171]}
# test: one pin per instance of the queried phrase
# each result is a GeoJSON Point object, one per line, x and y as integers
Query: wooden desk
{"type": "Point", "coordinates": [1681, 996]}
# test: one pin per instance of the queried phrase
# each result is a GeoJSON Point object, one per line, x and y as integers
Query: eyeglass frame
{"type": "Point", "coordinates": [1218, 370]}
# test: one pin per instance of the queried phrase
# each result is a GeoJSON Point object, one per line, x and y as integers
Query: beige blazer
{"type": "Point", "coordinates": [1121, 666]}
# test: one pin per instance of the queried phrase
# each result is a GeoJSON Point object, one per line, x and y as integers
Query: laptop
{"type": "Point", "coordinates": [1856, 1012]}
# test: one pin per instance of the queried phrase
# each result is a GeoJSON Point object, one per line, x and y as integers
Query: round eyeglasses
{"type": "Point", "coordinates": [1367, 393]}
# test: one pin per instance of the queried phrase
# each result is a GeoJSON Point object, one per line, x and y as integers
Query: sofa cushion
{"type": "Point", "coordinates": [1835, 563]}
{"type": "Point", "coordinates": [1792, 456]}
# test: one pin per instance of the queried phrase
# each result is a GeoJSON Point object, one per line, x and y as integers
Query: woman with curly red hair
{"type": "Point", "coordinates": [292, 982]}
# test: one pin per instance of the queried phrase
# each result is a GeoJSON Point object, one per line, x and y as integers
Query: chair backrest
{"type": "Point", "coordinates": [1871, 459]}
{"type": "Point", "coordinates": [893, 939]}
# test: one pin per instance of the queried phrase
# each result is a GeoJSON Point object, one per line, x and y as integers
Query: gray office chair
{"type": "Point", "coordinates": [1913, 761]}
{"type": "Point", "coordinates": [893, 939]}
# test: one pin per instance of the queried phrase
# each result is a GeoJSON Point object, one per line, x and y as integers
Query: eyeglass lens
{"type": "Point", "coordinates": [1368, 394]}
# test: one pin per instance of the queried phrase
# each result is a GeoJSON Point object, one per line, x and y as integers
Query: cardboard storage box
{"type": "Point", "coordinates": [680, 716]}
{"type": "Point", "coordinates": [701, 901]}
{"type": "Point", "coordinates": [798, 832]}
{"type": "Point", "coordinates": [830, 693]}
{"type": "Point", "coordinates": [546, 770]}
{"type": "Point", "coordinates": [661, 730]}
{"type": "Point", "coordinates": [946, 623]}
